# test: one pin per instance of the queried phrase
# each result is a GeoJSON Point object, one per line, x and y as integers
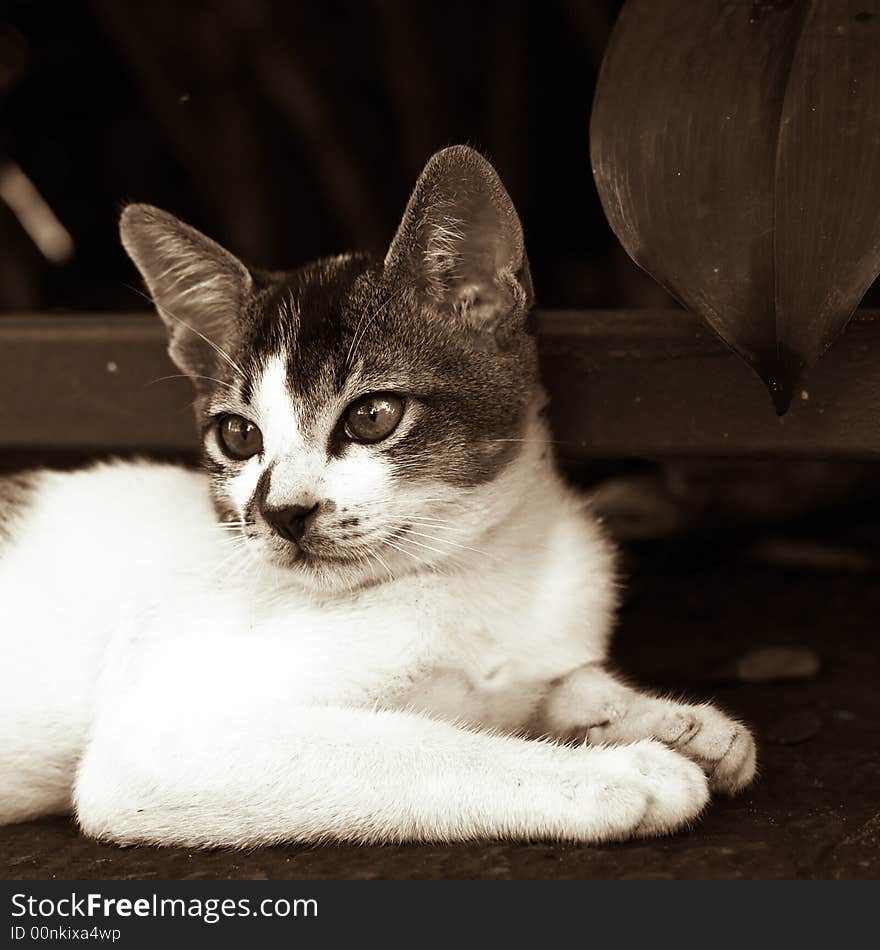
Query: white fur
{"type": "Point", "coordinates": [279, 415]}
{"type": "Point", "coordinates": [174, 689]}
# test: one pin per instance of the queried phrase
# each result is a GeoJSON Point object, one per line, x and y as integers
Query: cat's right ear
{"type": "Point", "coordinates": [199, 288]}
{"type": "Point", "coordinates": [460, 244]}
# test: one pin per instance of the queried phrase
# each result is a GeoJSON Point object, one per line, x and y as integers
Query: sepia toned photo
{"type": "Point", "coordinates": [437, 441]}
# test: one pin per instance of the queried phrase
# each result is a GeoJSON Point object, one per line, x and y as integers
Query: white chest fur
{"type": "Point", "coordinates": [479, 644]}
{"type": "Point", "coordinates": [474, 646]}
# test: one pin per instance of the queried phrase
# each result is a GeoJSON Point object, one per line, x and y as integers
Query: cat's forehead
{"type": "Point", "coordinates": [336, 327]}
{"type": "Point", "coordinates": [302, 319]}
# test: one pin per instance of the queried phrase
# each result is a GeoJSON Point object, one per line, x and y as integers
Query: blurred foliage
{"type": "Point", "coordinates": [289, 129]}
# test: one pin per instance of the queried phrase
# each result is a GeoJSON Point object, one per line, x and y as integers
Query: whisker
{"type": "Point", "coordinates": [371, 563]}
{"type": "Point", "coordinates": [409, 540]}
{"type": "Point", "coordinates": [365, 322]}
{"type": "Point", "coordinates": [235, 540]}
{"type": "Point", "coordinates": [422, 517]}
{"type": "Point", "coordinates": [232, 531]}
{"type": "Point", "coordinates": [384, 563]}
{"type": "Point", "coordinates": [375, 556]}
{"type": "Point", "coordinates": [410, 554]}
{"type": "Point", "coordinates": [453, 543]}
{"type": "Point", "coordinates": [453, 515]}
{"type": "Point", "coordinates": [451, 525]}
{"type": "Point", "coordinates": [219, 382]}
{"type": "Point", "coordinates": [236, 548]}
{"type": "Point", "coordinates": [538, 441]}
{"type": "Point", "coordinates": [192, 329]}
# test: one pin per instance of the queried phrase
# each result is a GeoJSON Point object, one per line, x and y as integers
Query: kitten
{"type": "Point", "coordinates": [379, 614]}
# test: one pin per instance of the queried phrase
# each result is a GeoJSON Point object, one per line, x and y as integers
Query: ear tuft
{"type": "Point", "coordinates": [461, 243]}
{"type": "Point", "coordinates": [198, 287]}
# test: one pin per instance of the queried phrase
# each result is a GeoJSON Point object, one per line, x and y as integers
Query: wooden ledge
{"type": "Point", "coordinates": [622, 383]}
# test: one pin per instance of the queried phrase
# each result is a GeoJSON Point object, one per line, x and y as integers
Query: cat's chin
{"type": "Point", "coordinates": [318, 571]}
{"type": "Point", "coordinates": [328, 572]}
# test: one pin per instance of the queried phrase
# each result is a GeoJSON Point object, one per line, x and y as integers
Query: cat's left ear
{"type": "Point", "coordinates": [198, 287]}
{"type": "Point", "coordinates": [461, 243]}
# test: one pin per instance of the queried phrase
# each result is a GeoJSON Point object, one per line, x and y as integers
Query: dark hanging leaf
{"type": "Point", "coordinates": [736, 149]}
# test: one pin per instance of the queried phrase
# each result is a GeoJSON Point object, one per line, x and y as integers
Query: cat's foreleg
{"type": "Point", "coordinates": [593, 705]}
{"type": "Point", "coordinates": [260, 776]}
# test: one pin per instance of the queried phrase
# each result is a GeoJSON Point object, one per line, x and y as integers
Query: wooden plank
{"type": "Point", "coordinates": [622, 384]}
{"type": "Point", "coordinates": [659, 383]}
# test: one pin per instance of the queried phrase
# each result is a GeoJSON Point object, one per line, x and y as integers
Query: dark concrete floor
{"type": "Point", "coordinates": [813, 813]}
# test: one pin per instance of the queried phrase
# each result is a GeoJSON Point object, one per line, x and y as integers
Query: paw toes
{"type": "Point", "coordinates": [724, 748]}
{"type": "Point", "coordinates": [735, 769]}
{"type": "Point", "coordinates": [680, 730]}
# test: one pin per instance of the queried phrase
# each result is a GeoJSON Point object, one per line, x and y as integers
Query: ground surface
{"type": "Point", "coordinates": [814, 812]}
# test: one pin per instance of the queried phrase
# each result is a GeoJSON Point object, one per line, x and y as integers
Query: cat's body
{"type": "Point", "coordinates": [369, 643]}
{"type": "Point", "coordinates": [172, 595]}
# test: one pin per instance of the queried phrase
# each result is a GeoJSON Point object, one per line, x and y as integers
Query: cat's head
{"type": "Point", "coordinates": [359, 417]}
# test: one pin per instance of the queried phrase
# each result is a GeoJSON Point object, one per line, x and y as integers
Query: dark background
{"type": "Point", "coordinates": [288, 130]}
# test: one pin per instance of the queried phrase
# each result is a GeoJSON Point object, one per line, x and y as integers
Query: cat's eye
{"type": "Point", "coordinates": [373, 418]}
{"type": "Point", "coordinates": [239, 437]}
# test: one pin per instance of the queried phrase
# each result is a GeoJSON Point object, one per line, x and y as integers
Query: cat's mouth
{"type": "Point", "coordinates": [295, 555]}
{"type": "Point", "coordinates": [306, 556]}
{"type": "Point", "coordinates": [320, 559]}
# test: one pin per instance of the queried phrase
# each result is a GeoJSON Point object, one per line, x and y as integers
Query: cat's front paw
{"type": "Point", "coordinates": [723, 747]}
{"type": "Point", "coordinates": [647, 789]}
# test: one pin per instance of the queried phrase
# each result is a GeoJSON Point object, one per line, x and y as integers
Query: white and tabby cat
{"type": "Point", "coordinates": [364, 616]}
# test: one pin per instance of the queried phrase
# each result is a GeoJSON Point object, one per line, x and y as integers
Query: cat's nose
{"type": "Point", "coordinates": [292, 521]}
